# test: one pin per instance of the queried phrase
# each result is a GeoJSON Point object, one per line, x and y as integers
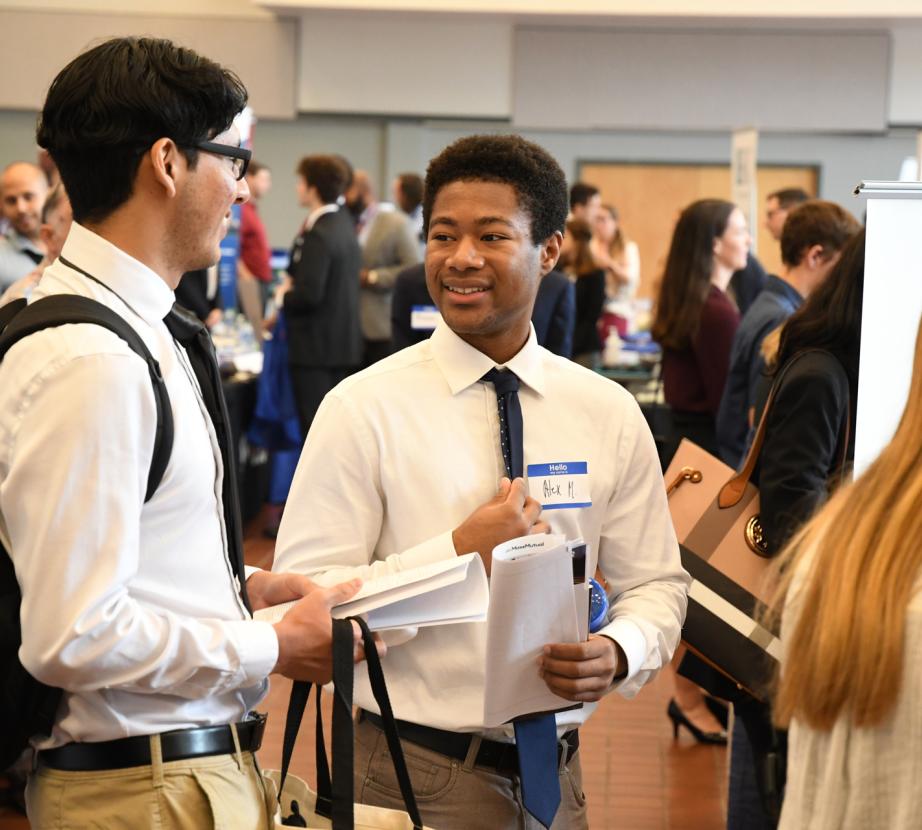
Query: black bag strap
{"type": "Point", "coordinates": [343, 733]}
{"type": "Point", "coordinates": [64, 309]}
{"type": "Point", "coordinates": [192, 335]}
{"type": "Point", "coordinates": [297, 703]}
{"type": "Point", "coordinates": [379, 690]}
{"type": "Point", "coordinates": [336, 797]}
{"type": "Point", "coordinates": [324, 785]}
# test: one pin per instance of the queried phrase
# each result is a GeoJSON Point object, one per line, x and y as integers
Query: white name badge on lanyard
{"type": "Point", "coordinates": [424, 318]}
{"type": "Point", "coordinates": [560, 485]}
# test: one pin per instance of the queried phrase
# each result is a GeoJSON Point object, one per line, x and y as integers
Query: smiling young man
{"type": "Point", "coordinates": [137, 607]}
{"type": "Point", "coordinates": [420, 475]}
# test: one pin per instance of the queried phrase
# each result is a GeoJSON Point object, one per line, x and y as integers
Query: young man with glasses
{"type": "Point", "coordinates": [138, 608]}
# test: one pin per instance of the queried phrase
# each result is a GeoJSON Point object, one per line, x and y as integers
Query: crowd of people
{"type": "Point", "coordinates": [437, 344]}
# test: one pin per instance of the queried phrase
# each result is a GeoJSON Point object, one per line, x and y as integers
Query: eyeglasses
{"type": "Point", "coordinates": [240, 155]}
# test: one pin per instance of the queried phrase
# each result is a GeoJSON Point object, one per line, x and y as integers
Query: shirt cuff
{"type": "Point", "coordinates": [258, 648]}
{"type": "Point", "coordinates": [436, 549]}
{"type": "Point", "coordinates": [629, 636]}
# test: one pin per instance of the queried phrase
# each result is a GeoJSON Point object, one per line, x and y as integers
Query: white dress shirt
{"type": "Point", "coordinates": [850, 778]}
{"type": "Point", "coordinates": [401, 453]}
{"type": "Point", "coordinates": [130, 607]}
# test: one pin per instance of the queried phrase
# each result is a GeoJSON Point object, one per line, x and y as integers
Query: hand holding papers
{"type": "Point", "coordinates": [531, 604]}
{"type": "Point", "coordinates": [443, 592]}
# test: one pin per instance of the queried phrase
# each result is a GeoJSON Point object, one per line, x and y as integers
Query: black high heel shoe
{"type": "Point", "coordinates": [677, 716]}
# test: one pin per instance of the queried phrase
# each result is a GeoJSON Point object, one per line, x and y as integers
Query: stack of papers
{"type": "Point", "coordinates": [440, 593]}
{"type": "Point", "coordinates": [532, 604]}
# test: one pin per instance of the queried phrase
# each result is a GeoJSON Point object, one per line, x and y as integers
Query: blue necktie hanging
{"type": "Point", "coordinates": [535, 736]}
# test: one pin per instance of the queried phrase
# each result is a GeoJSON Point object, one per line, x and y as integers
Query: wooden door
{"type": "Point", "coordinates": [649, 198]}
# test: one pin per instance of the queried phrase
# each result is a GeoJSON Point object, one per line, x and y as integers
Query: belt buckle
{"type": "Point", "coordinates": [259, 728]}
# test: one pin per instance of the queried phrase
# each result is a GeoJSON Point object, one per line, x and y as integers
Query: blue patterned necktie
{"type": "Point", "coordinates": [535, 737]}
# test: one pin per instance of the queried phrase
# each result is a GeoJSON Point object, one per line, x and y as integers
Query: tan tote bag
{"type": "Point", "coordinates": [332, 806]}
{"type": "Point", "coordinates": [715, 511]}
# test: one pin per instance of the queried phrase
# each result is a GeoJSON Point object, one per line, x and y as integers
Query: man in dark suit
{"type": "Point", "coordinates": [553, 315]}
{"type": "Point", "coordinates": [321, 294]}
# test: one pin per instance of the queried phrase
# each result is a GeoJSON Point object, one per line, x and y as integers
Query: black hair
{"type": "Point", "coordinates": [107, 107]}
{"type": "Point", "coordinates": [830, 317]}
{"type": "Point", "coordinates": [530, 170]}
{"type": "Point", "coordinates": [329, 174]}
{"type": "Point", "coordinates": [581, 193]}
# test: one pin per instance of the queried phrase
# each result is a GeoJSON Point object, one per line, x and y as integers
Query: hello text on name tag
{"type": "Point", "coordinates": [560, 484]}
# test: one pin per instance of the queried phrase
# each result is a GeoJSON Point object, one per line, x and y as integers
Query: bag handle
{"type": "Point", "coordinates": [379, 690]}
{"type": "Point", "coordinates": [343, 813]}
{"type": "Point", "coordinates": [300, 691]}
{"type": "Point", "coordinates": [731, 493]}
{"type": "Point", "coordinates": [335, 798]}
{"type": "Point", "coordinates": [343, 808]}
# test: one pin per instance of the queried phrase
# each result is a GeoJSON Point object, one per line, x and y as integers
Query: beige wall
{"type": "Point", "coordinates": [262, 52]}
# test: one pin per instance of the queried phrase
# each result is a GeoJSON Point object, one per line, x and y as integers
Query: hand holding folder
{"type": "Point", "coordinates": [532, 603]}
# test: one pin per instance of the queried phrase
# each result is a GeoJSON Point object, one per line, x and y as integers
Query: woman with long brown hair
{"type": "Point", "coordinates": [852, 662]}
{"type": "Point", "coordinates": [694, 323]}
{"type": "Point", "coordinates": [694, 320]}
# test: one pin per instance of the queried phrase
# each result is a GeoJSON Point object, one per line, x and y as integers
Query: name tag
{"type": "Point", "coordinates": [424, 318]}
{"type": "Point", "coordinates": [560, 485]}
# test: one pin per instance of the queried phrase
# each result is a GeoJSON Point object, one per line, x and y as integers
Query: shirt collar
{"type": "Point", "coordinates": [316, 214]}
{"type": "Point", "coordinates": [462, 365]}
{"type": "Point", "coordinates": [137, 285]}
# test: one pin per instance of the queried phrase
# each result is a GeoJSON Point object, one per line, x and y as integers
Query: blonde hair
{"type": "Point", "coordinates": [844, 656]}
{"type": "Point", "coordinates": [770, 347]}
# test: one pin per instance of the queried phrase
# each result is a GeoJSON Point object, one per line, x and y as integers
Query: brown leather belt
{"type": "Point", "coordinates": [501, 757]}
{"type": "Point", "coordinates": [178, 745]}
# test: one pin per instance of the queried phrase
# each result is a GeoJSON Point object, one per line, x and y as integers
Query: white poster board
{"type": "Point", "coordinates": [890, 313]}
{"type": "Point", "coordinates": [744, 184]}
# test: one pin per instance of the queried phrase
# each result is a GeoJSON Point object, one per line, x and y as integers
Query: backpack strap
{"type": "Point", "coordinates": [9, 311]}
{"type": "Point", "coordinates": [64, 309]}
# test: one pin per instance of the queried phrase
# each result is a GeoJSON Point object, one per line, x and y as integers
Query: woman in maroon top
{"type": "Point", "coordinates": [694, 323]}
{"type": "Point", "coordinates": [695, 320]}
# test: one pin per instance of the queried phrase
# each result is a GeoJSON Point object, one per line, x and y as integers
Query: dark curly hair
{"type": "Point", "coordinates": [538, 181]}
{"type": "Point", "coordinates": [109, 105]}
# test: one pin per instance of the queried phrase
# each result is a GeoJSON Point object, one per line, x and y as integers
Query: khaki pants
{"type": "Point", "coordinates": [220, 791]}
{"type": "Point", "coordinates": [456, 795]}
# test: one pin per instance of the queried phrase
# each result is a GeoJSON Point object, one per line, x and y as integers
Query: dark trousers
{"type": "Point", "coordinates": [311, 384]}
{"type": "Point", "coordinates": [758, 768]}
